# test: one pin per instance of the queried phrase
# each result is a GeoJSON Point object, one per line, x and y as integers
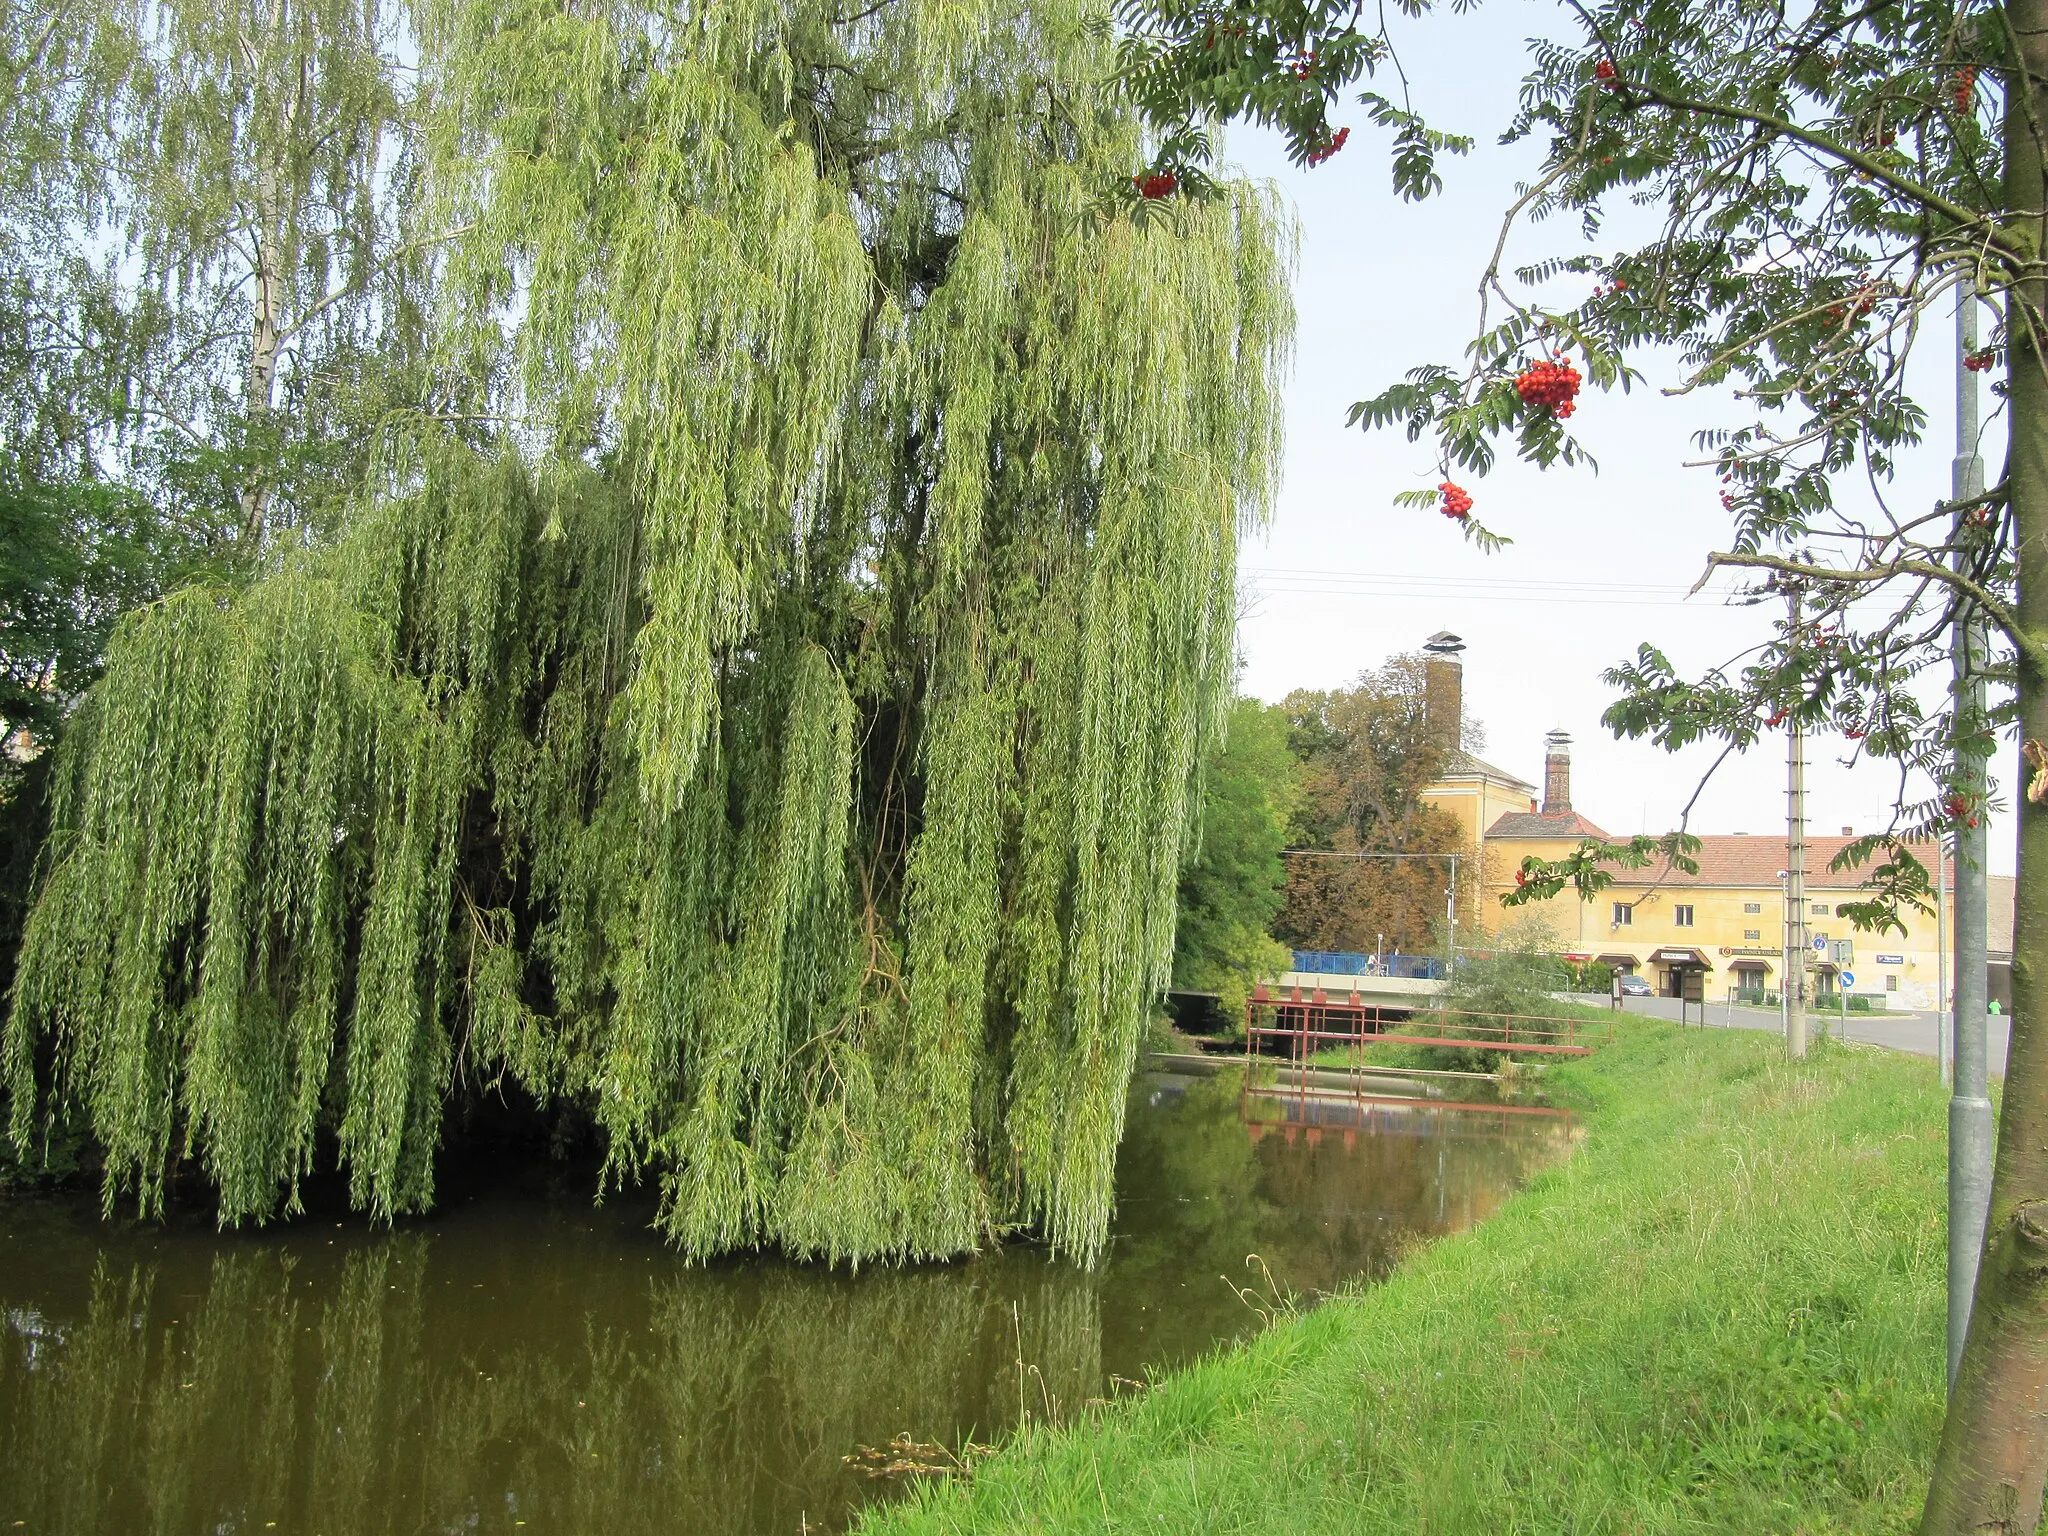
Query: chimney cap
{"type": "Point", "coordinates": [1443, 643]}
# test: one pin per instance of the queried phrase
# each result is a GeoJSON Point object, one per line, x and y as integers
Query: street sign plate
{"type": "Point", "coordinates": [1848, 978]}
{"type": "Point", "coordinates": [1821, 944]}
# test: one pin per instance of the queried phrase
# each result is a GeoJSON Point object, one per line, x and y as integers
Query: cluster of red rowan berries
{"type": "Point", "coordinates": [1306, 65]}
{"type": "Point", "coordinates": [1157, 185]}
{"type": "Point", "coordinates": [1978, 362]}
{"type": "Point", "coordinates": [1318, 156]}
{"type": "Point", "coordinates": [1957, 808]}
{"type": "Point", "coordinates": [1728, 500]}
{"type": "Point", "coordinates": [1853, 731]}
{"type": "Point", "coordinates": [1604, 72]}
{"type": "Point", "coordinates": [1859, 303]}
{"type": "Point", "coordinates": [1966, 87]}
{"type": "Point", "coordinates": [1457, 501]}
{"type": "Point", "coordinates": [1617, 286]}
{"type": "Point", "coordinates": [1778, 718]}
{"type": "Point", "coordinates": [1553, 383]}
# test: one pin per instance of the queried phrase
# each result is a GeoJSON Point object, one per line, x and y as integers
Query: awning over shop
{"type": "Point", "coordinates": [1628, 960]}
{"type": "Point", "coordinates": [1681, 957]}
{"type": "Point", "coordinates": [1749, 965]}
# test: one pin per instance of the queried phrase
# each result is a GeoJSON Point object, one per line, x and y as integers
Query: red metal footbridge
{"type": "Point", "coordinates": [1305, 1015]}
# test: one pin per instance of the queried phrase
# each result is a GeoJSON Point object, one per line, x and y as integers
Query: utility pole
{"type": "Point", "coordinates": [1969, 1105]}
{"type": "Point", "coordinates": [1944, 1046]}
{"type": "Point", "coordinates": [1795, 866]}
{"type": "Point", "coordinates": [1451, 920]}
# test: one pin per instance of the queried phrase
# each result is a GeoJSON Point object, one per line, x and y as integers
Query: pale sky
{"type": "Point", "coordinates": [1600, 562]}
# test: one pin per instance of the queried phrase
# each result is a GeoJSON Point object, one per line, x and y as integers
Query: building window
{"type": "Point", "coordinates": [1624, 914]}
{"type": "Point", "coordinates": [1752, 906]}
{"type": "Point", "coordinates": [1891, 983]}
{"type": "Point", "coordinates": [1681, 916]}
{"type": "Point", "coordinates": [1752, 933]}
{"type": "Point", "coordinates": [1820, 909]}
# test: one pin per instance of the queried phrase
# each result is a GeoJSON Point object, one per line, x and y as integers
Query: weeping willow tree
{"type": "Point", "coordinates": [758, 707]}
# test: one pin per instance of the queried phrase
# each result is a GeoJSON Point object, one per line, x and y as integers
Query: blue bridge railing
{"type": "Point", "coordinates": [1346, 962]}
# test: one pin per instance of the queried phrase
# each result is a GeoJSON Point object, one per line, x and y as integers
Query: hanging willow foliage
{"type": "Point", "coordinates": [785, 753]}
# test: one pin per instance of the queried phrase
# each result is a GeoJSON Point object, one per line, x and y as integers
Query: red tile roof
{"type": "Point", "coordinates": [1518, 824]}
{"type": "Point", "coordinates": [1460, 764]}
{"type": "Point", "coordinates": [1731, 859]}
{"type": "Point", "coordinates": [1751, 861]}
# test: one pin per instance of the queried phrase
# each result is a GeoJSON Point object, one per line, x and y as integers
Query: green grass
{"type": "Point", "coordinates": [1723, 1314]}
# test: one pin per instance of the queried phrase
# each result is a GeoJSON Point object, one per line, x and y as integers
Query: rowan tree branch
{"type": "Point", "coordinates": [1995, 608]}
{"type": "Point", "coordinates": [1869, 165]}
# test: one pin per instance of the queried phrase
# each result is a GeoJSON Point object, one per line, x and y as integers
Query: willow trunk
{"type": "Point", "coordinates": [1990, 1470]}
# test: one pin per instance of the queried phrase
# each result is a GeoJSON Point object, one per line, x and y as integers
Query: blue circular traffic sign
{"type": "Point", "coordinates": [1848, 978]}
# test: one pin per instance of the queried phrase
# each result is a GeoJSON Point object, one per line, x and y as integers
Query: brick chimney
{"type": "Point", "coordinates": [1443, 691]}
{"type": "Point", "coordinates": [1557, 774]}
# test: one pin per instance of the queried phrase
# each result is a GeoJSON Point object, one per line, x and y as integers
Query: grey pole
{"type": "Point", "coordinates": [1795, 869]}
{"type": "Point", "coordinates": [1944, 1049]}
{"type": "Point", "coordinates": [1451, 914]}
{"type": "Point", "coordinates": [1969, 1107]}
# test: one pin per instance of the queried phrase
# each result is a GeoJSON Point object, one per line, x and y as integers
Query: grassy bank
{"type": "Point", "coordinates": [1724, 1314]}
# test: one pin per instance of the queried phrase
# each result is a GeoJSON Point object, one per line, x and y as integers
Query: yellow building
{"type": "Point", "coordinates": [1728, 920]}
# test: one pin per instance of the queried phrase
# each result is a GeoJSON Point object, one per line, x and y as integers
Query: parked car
{"type": "Point", "coordinates": [1635, 986]}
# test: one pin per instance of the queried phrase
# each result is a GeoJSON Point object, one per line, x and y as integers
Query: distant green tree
{"type": "Point", "coordinates": [73, 558]}
{"type": "Point", "coordinates": [1367, 756]}
{"type": "Point", "coordinates": [1232, 887]}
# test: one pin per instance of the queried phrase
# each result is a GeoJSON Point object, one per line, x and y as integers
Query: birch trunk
{"type": "Point", "coordinates": [259, 390]}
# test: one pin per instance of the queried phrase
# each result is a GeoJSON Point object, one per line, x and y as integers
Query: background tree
{"type": "Point", "coordinates": [1232, 886]}
{"type": "Point", "coordinates": [205, 286]}
{"type": "Point", "coordinates": [1826, 178]}
{"type": "Point", "coordinates": [1367, 752]}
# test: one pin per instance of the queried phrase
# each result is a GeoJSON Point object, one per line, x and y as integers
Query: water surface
{"type": "Point", "coordinates": [522, 1361]}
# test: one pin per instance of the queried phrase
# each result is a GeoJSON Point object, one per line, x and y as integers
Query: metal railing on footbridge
{"type": "Point", "coordinates": [1304, 1021]}
{"type": "Point", "coordinates": [1347, 962]}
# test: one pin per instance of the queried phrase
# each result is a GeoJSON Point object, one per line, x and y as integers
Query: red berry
{"type": "Point", "coordinates": [1159, 184]}
{"type": "Point", "coordinates": [1552, 384]}
{"type": "Point", "coordinates": [1604, 70]}
{"type": "Point", "coordinates": [1337, 141]}
{"type": "Point", "coordinates": [1457, 502]}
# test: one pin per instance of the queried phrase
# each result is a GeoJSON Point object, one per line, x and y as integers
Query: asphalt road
{"type": "Point", "coordinates": [1901, 1031]}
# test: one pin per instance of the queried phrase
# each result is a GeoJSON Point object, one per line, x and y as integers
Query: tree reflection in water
{"type": "Point", "coordinates": [530, 1360]}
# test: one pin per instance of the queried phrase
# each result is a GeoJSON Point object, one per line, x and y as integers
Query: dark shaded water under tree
{"type": "Point", "coordinates": [523, 1361]}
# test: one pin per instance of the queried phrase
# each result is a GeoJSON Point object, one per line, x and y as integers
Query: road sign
{"type": "Point", "coordinates": [1848, 979]}
{"type": "Point", "coordinates": [1821, 943]}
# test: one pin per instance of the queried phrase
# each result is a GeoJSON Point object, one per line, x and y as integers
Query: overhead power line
{"type": "Point", "coordinates": [1284, 580]}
